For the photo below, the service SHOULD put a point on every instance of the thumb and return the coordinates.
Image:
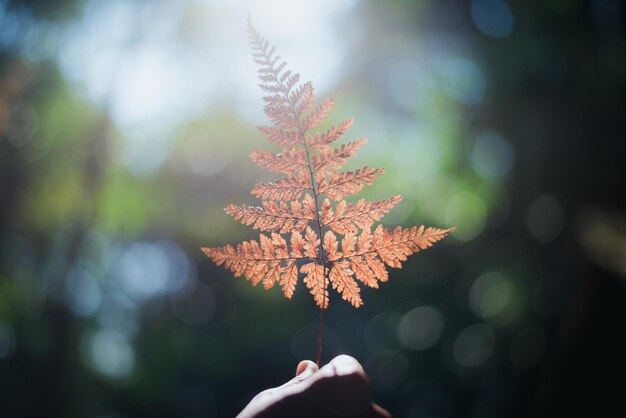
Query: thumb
(306, 368)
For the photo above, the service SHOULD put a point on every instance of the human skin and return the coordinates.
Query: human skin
(339, 389)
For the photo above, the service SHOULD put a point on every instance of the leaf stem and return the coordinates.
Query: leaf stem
(320, 335)
(317, 219)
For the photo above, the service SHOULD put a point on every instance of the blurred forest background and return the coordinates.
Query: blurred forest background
(125, 128)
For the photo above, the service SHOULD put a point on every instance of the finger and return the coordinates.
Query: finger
(306, 366)
(341, 388)
(380, 412)
(280, 397)
(345, 365)
(304, 371)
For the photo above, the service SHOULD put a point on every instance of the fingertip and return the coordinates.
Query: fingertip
(306, 366)
(344, 365)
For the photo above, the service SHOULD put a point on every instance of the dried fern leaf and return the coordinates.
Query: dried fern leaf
(348, 253)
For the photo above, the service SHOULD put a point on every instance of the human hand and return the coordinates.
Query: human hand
(339, 389)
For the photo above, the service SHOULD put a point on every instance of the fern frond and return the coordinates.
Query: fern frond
(317, 115)
(289, 83)
(269, 260)
(314, 279)
(270, 88)
(343, 184)
(341, 279)
(273, 216)
(302, 98)
(331, 245)
(365, 257)
(340, 274)
(311, 244)
(364, 273)
(348, 253)
(333, 158)
(287, 188)
(393, 247)
(281, 116)
(256, 260)
(348, 217)
(285, 162)
(334, 133)
(281, 137)
(289, 278)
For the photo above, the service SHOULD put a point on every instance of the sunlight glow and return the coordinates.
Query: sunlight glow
(153, 64)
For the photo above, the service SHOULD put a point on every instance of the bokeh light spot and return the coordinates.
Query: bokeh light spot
(142, 270)
(490, 294)
(410, 85)
(205, 157)
(387, 369)
(41, 41)
(119, 313)
(109, 353)
(420, 152)
(492, 17)
(420, 328)
(380, 331)
(474, 345)
(143, 154)
(467, 211)
(23, 125)
(14, 24)
(7, 340)
(463, 80)
(197, 307)
(82, 291)
(491, 156)
(546, 218)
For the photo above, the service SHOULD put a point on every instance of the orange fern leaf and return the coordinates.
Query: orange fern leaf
(280, 136)
(331, 245)
(287, 188)
(311, 244)
(348, 218)
(253, 260)
(302, 97)
(289, 278)
(273, 216)
(315, 280)
(320, 140)
(341, 279)
(333, 158)
(363, 272)
(331, 242)
(393, 247)
(285, 162)
(317, 115)
(341, 184)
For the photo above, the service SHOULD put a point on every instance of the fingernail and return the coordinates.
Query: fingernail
(306, 368)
